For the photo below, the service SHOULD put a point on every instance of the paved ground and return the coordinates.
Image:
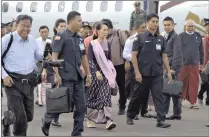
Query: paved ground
(192, 124)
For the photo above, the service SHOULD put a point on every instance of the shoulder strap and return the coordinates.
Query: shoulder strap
(6, 51)
(8, 47)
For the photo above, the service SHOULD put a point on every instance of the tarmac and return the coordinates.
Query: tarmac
(192, 124)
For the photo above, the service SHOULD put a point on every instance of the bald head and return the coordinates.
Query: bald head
(189, 22)
(190, 25)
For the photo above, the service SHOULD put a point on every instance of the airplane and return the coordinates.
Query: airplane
(181, 11)
(47, 12)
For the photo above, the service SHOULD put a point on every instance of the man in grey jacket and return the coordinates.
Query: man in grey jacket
(174, 52)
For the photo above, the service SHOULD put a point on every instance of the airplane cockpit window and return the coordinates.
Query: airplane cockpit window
(118, 6)
(47, 7)
(61, 6)
(5, 7)
(103, 6)
(89, 6)
(19, 7)
(33, 6)
(75, 6)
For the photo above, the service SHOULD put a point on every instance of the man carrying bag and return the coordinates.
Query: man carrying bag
(174, 51)
(19, 54)
(69, 46)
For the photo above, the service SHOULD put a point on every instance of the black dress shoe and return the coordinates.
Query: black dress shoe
(6, 130)
(130, 121)
(146, 115)
(162, 124)
(137, 117)
(40, 105)
(45, 127)
(7, 120)
(174, 117)
(121, 111)
(207, 125)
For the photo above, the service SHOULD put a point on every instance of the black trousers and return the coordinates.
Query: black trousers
(76, 89)
(141, 95)
(129, 89)
(120, 79)
(176, 104)
(204, 88)
(21, 102)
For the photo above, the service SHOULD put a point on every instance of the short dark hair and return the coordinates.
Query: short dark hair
(152, 15)
(71, 15)
(108, 22)
(138, 23)
(43, 27)
(57, 23)
(24, 17)
(168, 19)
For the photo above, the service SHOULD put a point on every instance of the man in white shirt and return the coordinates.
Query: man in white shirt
(41, 41)
(127, 54)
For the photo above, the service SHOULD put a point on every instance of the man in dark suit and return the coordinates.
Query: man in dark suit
(174, 52)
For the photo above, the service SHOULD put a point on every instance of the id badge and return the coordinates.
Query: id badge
(158, 47)
(81, 45)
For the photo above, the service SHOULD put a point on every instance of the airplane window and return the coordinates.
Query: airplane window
(89, 6)
(33, 6)
(61, 6)
(19, 7)
(75, 6)
(47, 7)
(5, 7)
(103, 6)
(118, 5)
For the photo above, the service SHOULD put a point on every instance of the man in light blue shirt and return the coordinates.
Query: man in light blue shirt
(17, 74)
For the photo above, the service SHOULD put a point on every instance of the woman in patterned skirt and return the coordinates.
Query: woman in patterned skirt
(103, 78)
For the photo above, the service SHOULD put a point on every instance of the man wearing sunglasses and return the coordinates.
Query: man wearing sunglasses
(137, 14)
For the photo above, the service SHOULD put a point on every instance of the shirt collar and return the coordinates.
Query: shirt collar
(149, 33)
(138, 12)
(20, 38)
(190, 33)
(71, 33)
(42, 39)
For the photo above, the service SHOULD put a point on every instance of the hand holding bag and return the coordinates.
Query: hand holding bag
(175, 88)
(115, 90)
(57, 100)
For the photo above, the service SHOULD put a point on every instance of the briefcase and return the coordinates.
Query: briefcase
(57, 100)
(204, 77)
(175, 88)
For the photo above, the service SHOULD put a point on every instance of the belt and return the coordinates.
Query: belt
(19, 77)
